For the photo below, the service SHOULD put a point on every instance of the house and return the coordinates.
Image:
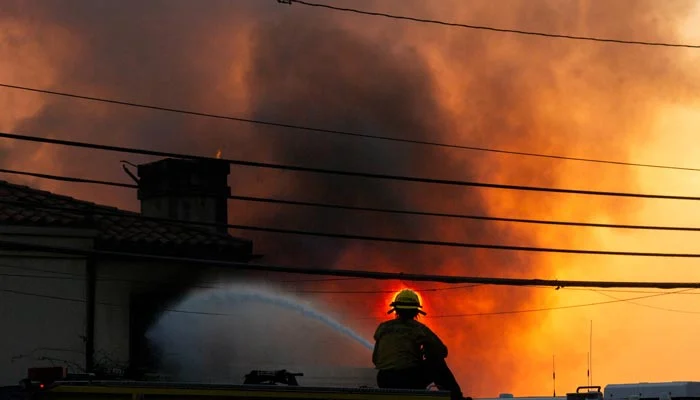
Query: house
(90, 312)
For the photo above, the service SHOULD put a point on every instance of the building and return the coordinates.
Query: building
(90, 312)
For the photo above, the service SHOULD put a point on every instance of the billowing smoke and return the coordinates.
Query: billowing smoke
(337, 71)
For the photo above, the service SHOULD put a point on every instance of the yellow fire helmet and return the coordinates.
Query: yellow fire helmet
(406, 299)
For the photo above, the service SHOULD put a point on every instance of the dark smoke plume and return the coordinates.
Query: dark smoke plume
(382, 77)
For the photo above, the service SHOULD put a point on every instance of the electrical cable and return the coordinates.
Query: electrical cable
(487, 28)
(75, 276)
(351, 208)
(435, 243)
(67, 178)
(463, 315)
(631, 301)
(505, 312)
(339, 132)
(212, 286)
(379, 275)
(72, 276)
(295, 168)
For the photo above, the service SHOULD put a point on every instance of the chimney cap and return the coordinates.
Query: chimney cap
(180, 165)
(182, 177)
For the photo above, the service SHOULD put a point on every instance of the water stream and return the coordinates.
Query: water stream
(242, 294)
(252, 326)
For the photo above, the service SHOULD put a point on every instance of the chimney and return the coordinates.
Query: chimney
(188, 190)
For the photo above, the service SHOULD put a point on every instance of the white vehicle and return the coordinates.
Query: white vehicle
(653, 391)
(682, 390)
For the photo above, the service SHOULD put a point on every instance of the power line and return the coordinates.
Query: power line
(45, 296)
(554, 308)
(73, 276)
(487, 28)
(615, 299)
(212, 286)
(60, 273)
(451, 279)
(504, 312)
(625, 291)
(82, 276)
(461, 216)
(384, 239)
(67, 178)
(296, 168)
(346, 207)
(440, 289)
(343, 133)
(631, 301)
(102, 303)
(438, 243)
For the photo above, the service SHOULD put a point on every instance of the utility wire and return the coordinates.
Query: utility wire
(351, 292)
(222, 284)
(631, 301)
(82, 276)
(601, 292)
(102, 303)
(461, 216)
(625, 291)
(67, 178)
(438, 243)
(504, 312)
(451, 279)
(384, 239)
(295, 168)
(74, 276)
(344, 207)
(487, 28)
(342, 133)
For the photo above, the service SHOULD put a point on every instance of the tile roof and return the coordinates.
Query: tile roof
(117, 229)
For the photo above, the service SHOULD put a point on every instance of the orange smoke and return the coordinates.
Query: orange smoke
(415, 81)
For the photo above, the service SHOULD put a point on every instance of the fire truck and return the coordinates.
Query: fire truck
(55, 384)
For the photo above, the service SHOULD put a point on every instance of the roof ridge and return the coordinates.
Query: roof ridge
(61, 196)
(111, 211)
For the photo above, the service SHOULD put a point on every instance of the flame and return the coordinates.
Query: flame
(218, 154)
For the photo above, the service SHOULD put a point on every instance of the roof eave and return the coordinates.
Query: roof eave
(238, 252)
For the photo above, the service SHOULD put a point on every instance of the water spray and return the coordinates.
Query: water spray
(238, 293)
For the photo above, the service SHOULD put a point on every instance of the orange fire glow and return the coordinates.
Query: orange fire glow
(551, 96)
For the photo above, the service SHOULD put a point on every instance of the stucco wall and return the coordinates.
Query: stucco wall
(158, 284)
(116, 282)
(42, 303)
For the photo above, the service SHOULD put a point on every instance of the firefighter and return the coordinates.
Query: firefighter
(407, 353)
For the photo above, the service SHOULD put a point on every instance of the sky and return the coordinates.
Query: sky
(337, 70)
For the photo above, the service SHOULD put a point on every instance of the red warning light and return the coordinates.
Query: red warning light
(46, 375)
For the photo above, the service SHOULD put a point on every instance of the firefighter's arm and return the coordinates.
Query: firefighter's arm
(377, 335)
(433, 347)
(374, 354)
